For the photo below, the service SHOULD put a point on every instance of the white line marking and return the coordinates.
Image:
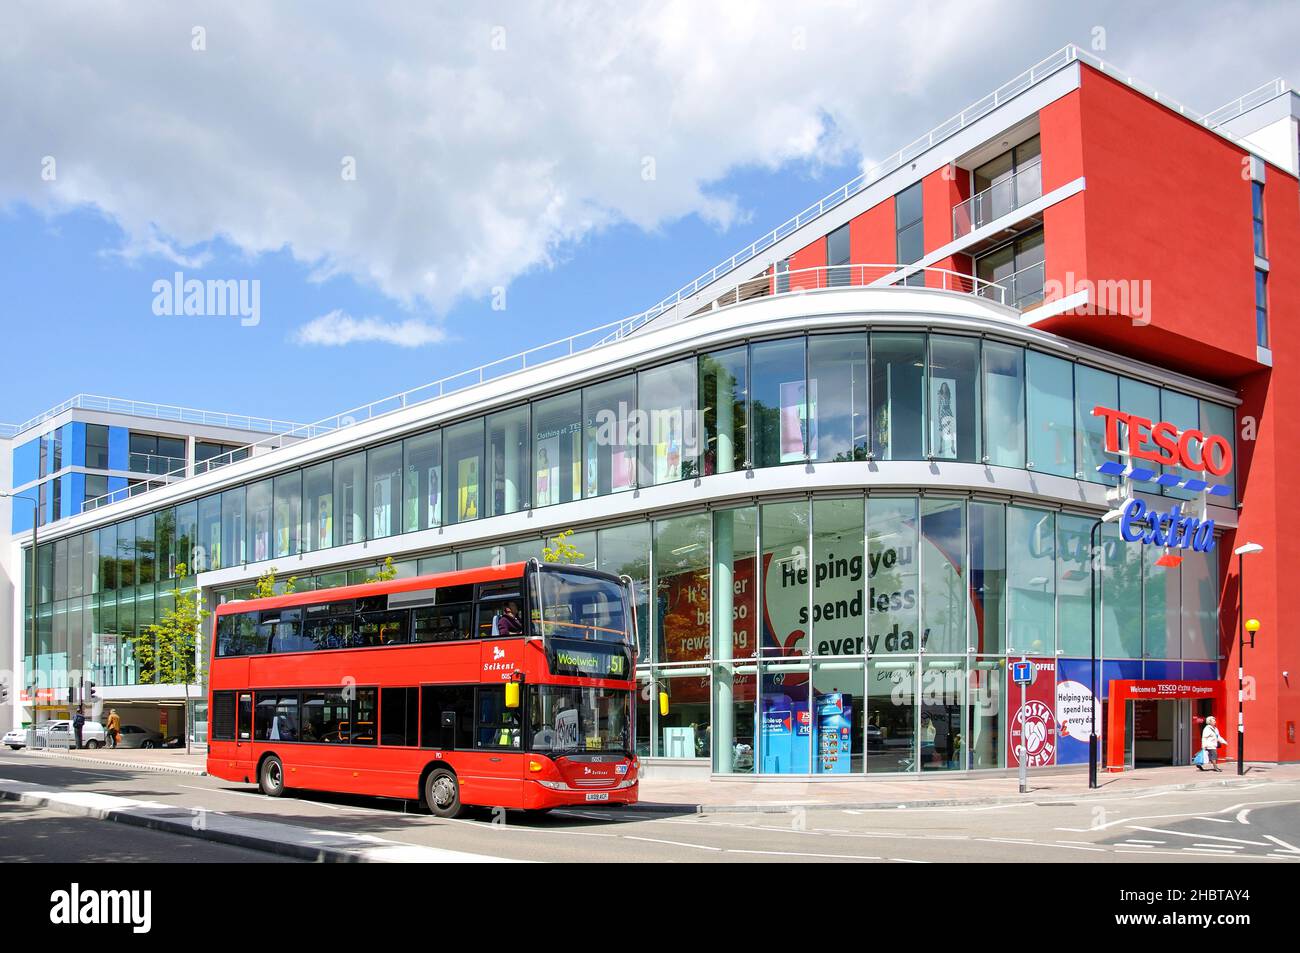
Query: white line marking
(672, 843)
(1235, 840)
(793, 853)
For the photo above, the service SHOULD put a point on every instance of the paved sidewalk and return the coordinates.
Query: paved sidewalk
(749, 794)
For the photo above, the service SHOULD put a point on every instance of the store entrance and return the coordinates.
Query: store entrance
(1164, 732)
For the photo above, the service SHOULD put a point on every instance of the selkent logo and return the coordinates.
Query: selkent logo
(1164, 444)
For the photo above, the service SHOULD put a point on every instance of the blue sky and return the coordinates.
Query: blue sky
(504, 147)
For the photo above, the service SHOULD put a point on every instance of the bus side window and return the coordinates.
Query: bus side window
(447, 717)
(498, 726)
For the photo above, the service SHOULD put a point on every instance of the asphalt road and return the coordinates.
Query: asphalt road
(1256, 822)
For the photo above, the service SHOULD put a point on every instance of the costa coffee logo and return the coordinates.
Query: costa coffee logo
(1162, 443)
(1033, 734)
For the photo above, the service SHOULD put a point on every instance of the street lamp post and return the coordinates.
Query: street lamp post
(1094, 569)
(1242, 552)
(36, 520)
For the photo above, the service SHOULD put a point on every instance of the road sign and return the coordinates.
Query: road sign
(1022, 672)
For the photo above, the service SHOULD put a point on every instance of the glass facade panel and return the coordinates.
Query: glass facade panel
(985, 682)
(897, 396)
(953, 401)
(669, 444)
(838, 398)
(891, 716)
(463, 453)
(988, 577)
(785, 578)
(557, 449)
(838, 717)
(318, 507)
(349, 499)
(187, 534)
(735, 609)
(1031, 581)
(1218, 419)
(233, 527)
(943, 576)
(838, 617)
(1074, 584)
(943, 710)
(785, 721)
(778, 402)
(1121, 596)
(611, 436)
(287, 515)
(893, 576)
(684, 731)
(1161, 594)
(723, 377)
(384, 489)
(1200, 605)
(508, 442)
(681, 587)
(734, 688)
(1184, 413)
(1093, 388)
(260, 502)
(422, 492)
(625, 551)
(1050, 414)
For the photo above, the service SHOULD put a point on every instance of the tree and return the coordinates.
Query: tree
(561, 550)
(384, 573)
(167, 650)
(264, 588)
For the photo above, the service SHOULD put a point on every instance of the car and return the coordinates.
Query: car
(17, 738)
(133, 736)
(93, 734)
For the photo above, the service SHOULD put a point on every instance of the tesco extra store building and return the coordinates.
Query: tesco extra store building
(846, 509)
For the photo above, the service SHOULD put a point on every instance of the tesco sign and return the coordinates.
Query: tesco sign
(1163, 443)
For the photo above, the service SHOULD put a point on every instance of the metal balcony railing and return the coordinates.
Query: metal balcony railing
(1001, 198)
(807, 280)
(155, 464)
(1022, 289)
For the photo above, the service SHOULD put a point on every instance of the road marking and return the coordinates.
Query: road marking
(1241, 816)
(671, 843)
(1290, 848)
(793, 853)
(1235, 840)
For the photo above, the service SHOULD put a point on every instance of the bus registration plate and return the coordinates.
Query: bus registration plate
(598, 796)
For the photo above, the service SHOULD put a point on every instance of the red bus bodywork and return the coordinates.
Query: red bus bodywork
(494, 777)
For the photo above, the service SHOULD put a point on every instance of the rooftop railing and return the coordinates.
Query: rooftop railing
(832, 277)
(152, 411)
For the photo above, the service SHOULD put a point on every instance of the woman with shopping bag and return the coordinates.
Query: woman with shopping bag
(1210, 742)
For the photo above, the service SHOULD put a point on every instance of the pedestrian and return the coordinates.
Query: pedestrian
(114, 728)
(78, 723)
(1210, 742)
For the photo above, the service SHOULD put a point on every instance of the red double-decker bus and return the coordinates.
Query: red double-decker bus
(508, 687)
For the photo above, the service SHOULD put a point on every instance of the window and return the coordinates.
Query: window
(1092, 388)
(223, 716)
(498, 726)
(448, 620)
(891, 715)
(839, 569)
(1257, 217)
(909, 229)
(318, 507)
(897, 396)
(1031, 581)
(785, 540)
(275, 717)
(1217, 419)
(447, 717)
(837, 254)
(1261, 307)
(669, 438)
(422, 495)
(287, 518)
(259, 502)
(350, 499)
(681, 552)
(283, 631)
(1050, 413)
(557, 449)
(610, 435)
(96, 447)
(1016, 267)
(507, 447)
(1007, 182)
(399, 716)
(943, 569)
(722, 409)
(988, 577)
(463, 447)
(325, 717)
(376, 628)
(953, 401)
(364, 725)
(500, 612)
(1004, 404)
(232, 527)
(1074, 582)
(779, 402)
(384, 465)
(837, 397)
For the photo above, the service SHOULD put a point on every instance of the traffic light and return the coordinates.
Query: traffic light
(90, 692)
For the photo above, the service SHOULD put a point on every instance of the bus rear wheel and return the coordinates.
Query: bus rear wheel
(271, 777)
(442, 793)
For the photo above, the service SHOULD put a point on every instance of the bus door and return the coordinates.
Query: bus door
(244, 727)
(498, 748)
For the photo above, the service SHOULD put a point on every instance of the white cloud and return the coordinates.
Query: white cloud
(338, 328)
(476, 163)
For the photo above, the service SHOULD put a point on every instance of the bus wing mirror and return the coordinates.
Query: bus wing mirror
(663, 703)
(512, 694)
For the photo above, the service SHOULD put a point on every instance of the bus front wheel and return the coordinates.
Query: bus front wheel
(442, 793)
(271, 778)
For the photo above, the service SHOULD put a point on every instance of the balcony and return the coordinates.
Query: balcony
(1021, 290)
(998, 200)
(156, 464)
